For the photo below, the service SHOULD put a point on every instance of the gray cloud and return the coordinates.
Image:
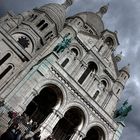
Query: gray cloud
(123, 16)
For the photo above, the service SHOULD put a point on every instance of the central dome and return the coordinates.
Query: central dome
(93, 20)
(56, 12)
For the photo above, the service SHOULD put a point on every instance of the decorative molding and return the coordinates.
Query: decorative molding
(82, 98)
(110, 76)
(80, 42)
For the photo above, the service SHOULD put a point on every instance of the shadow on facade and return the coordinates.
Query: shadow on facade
(42, 105)
(95, 133)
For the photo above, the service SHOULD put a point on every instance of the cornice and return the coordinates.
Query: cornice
(83, 99)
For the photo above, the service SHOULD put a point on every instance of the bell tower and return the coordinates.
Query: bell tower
(72, 83)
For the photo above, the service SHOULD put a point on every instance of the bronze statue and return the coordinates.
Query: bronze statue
(122, 113)
(64, 44)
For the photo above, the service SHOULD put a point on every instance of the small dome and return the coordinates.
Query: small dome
(57, 12)
(126, 69)
(118, 57)
(93, 20)
(103, 10)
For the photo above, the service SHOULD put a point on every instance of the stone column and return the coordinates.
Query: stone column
(119, 131)
(28, 98)
(50, 122)
(78, 135)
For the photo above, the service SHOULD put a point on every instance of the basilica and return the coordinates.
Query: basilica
(62, 72)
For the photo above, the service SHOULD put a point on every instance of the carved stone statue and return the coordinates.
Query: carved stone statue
(64, 44)
(122, 113)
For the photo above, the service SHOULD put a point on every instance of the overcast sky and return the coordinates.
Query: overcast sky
(123, 16)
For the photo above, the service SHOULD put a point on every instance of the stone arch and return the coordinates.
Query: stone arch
(33, 17)
(83, 109)
(79, 49)
(9, 68)
(44, 26)
(109, 41)
(107, 81)
(96, 94)
(65, 62)
(78, 21)
(75, 51)
(42, 105)
(92, 67)
(112, 37)
(48, 98)
(67, 125)
(40, 23)
(96, 62)
(28, 34)
(102, 130)
(6, 58)
(45, 82)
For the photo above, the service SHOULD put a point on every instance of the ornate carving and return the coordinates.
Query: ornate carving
(71, 98)
(87, 103)
(24, 42)
(111, 77)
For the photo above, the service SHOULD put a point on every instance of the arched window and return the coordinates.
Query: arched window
(109, 41)
(78, 23)
(118, 91)
(95, 133)
(43, 104)
(74, 51)
(5, 71)
(65, 62)
(48, 34)
(122, 74)
(91, 31)
(100, 48)
(92, 67)
(125, 77)
(5, 58)
(44, 26)
(103, 84)
(96, 94)
(33, 17)
(65, 128)
(40, 23)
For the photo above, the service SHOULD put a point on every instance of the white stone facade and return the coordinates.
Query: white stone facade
(84, 77)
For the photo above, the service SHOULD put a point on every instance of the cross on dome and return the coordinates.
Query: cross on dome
(103, 10)
(67, 3)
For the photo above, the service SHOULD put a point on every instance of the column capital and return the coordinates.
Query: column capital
(81, 134)
(58, 113)
(34, 92)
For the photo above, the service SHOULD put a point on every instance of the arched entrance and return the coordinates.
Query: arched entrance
(66, 127)
(95, 133)
(41, 106)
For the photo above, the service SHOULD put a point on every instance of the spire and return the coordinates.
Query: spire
(126, 69)
(67, 3)
(103, 10)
